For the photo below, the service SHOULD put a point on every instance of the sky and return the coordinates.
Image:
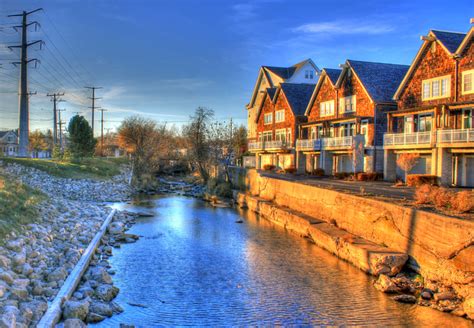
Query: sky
(162, 59)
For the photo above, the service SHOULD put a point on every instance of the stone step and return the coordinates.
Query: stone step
(370, 257)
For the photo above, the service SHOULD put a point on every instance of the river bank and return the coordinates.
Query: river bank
(36, 258)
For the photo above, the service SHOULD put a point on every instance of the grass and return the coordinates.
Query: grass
(17, 204)
(87, 168)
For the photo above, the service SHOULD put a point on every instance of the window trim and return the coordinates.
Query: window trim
(279, 132)
(342, 104)
(440, 80)
(276, 116)
(331, 102)
(267, 115)
(471, 72)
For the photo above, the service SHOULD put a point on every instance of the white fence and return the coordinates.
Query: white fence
(338, 142)
(453, 136)
(308, 144)
(415, 138)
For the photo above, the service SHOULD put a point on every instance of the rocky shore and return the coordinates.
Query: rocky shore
(36, 260)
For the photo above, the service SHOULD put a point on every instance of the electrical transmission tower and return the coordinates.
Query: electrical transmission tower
(55, 99)
(24, 129)
(102, 110)
(60, 122)
(93, 98)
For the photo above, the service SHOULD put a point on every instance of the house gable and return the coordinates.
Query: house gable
(325, 91)
(349, 84)
(300, 74)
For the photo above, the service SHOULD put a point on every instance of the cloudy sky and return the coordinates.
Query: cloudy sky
(162, 59)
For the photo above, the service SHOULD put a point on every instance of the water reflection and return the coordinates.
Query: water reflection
(195, 265)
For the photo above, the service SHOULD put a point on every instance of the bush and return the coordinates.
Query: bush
(269, 167)
(463, 202)
(224, 189)
(370, 176)
(290, 169)
(342, 175)
(423, 193)
(319, 172)
(415, 180)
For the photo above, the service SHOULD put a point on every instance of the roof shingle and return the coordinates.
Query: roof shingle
(451, 40)
(298, 96)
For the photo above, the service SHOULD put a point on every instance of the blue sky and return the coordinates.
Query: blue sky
(162, 59)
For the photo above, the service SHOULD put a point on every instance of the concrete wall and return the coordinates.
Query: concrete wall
(441, 248)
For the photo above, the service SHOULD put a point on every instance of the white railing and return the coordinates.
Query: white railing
(308, 144)
(276, 144)
(455, 135)
(415, 138)
(255, 145)
(338, 142)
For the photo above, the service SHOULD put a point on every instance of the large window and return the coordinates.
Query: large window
(424, 123)
(436, 88)
(347, 104)
(267, 136)
(279, 116)
(346, 129)
(268, 118)
(467, 82)
(280, 135)
(408, 124)
(467, 119)
(327, 108)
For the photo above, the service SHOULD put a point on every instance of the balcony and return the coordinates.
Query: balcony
(308, 144)
(455, 136)
(338, 142)
(423, 139)
(267, 145)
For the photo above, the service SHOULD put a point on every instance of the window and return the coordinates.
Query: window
(280, 135)
(268, 118)
(436, 88)
(467, 82)
(467, 119)
(309, 74)
(267, 136)
(408, 124)
(424, 123)
(347, 104)
(326, 108)
(280, 116)
(347, 129)
(313, 133)
(320, 132)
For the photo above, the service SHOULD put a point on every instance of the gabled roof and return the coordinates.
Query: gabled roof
(271, 92)
(450, 40)
(464, 43)
(4, 133)
(380, 80)
(333, 75)
(283, 72)
(298, 96)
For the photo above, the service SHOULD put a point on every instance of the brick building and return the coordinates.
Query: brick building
(347, 118)
(435, 111)
(277, 118)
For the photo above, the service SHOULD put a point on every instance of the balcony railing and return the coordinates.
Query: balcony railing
(454, 136)
(335, 142)
(267, 145)
(405, 139)
(308, 144)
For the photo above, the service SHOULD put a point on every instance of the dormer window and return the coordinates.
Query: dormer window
(309, 74)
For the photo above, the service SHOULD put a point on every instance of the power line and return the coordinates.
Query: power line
(93, 107)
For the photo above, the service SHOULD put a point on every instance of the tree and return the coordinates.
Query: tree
(407, 162)
(197, 137)
(81, 140)
(37, 141)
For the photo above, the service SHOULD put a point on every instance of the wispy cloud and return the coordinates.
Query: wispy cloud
(244, 11)
(340, 27)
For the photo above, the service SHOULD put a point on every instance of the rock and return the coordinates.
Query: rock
(468, 307)
(101, 308)
(7, 277)
(443, 296)
(19, 293)
(38, 308)
(99, 274)
(15, 245)
(3, 290)
(123, 325)
(116, 308)
(385, 284)
(115, 228)
(94, 318)
(27, 269)
(426, 295)
(57, 275)
(5, 262)
(404, 298)
(74, 323)
(76, 310)
(106, 292)
(19, 259)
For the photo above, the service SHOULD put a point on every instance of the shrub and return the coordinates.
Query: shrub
(370, 176)
(319, 172)
(463, 201)
(224, 189)
(269, 167)
(290, 169)
(422, 194)
(342, 175)
(407, 162)
(441, 197)
(415, 180)
(212, 184)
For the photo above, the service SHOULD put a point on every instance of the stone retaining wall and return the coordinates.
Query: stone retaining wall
(441, 248)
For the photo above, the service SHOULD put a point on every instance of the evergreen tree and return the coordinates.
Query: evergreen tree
(81, 140)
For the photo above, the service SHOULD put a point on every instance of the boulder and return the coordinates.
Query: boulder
(59, 274)
(385, 284)
(74, 323)
(15, 245)
(468, 307)
(99, 274)
(404, 298)
(106, 292)
(7, 277)
(444, 296)
(19, 293)
(5, 262)
(76, 310)
(101, 308)
(115, 228)
(94, 318)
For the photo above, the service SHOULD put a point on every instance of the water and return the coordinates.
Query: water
(195, 266)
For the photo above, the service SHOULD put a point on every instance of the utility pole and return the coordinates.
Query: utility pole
(102, 130)
(60, 122)
(24, 128)
(55, 99)
(93, 98)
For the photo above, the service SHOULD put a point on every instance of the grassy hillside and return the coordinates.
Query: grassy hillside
(17, 204)
(93, 168)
